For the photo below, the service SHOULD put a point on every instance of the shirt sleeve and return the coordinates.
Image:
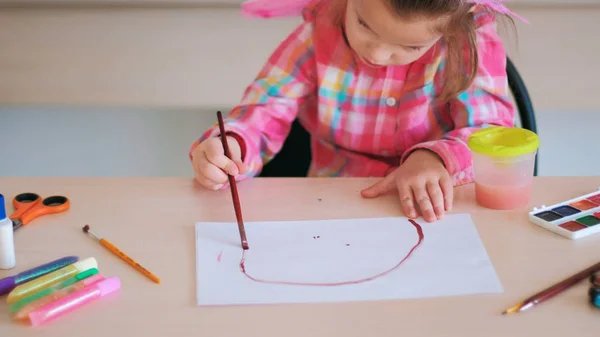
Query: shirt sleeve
(262, 121)
(486, 102)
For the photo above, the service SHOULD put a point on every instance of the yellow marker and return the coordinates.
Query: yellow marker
(50, 279)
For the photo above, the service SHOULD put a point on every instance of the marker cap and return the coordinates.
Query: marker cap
(81, 276)
(6, 285)
(86, 264)
(2, 207)
(85, 274)
(93, 279)
(109, 285)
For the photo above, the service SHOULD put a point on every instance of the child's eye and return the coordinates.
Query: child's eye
(362, 23)
(415, 48)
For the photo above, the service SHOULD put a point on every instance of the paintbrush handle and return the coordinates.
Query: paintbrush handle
(112, 248)
(561, 286)
(232, 184)
(238, 211)
(236, 204)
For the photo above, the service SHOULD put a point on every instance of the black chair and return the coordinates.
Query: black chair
(522, 101)
(295, 156)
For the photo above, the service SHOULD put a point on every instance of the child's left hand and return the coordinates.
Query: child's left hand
(423, 181)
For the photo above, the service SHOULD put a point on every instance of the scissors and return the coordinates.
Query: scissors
(29, 206)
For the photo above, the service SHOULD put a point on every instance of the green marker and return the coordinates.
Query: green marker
(47, 291)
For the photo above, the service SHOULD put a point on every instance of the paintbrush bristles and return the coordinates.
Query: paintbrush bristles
(513, 309)
(87, 230)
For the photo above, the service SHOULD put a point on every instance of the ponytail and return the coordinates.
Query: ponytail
(462, 57)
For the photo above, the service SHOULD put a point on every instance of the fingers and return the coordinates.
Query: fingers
(216, 156)
(207, 183)
(448, 191)
(212, 172)
(431, 197)
(243, 168)
(436, 197)
(407, 200)
(422, 199)
(381, 187)
(211, 166)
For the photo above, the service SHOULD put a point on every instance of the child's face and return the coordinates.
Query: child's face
(381, 38)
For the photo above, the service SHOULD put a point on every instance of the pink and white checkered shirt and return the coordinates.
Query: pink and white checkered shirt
(365, 121)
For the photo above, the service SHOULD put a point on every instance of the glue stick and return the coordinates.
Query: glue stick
(7, 243)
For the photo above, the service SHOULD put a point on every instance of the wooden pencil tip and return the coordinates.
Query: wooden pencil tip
(245, 245)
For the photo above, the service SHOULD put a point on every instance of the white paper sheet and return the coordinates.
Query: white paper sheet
(450, 261)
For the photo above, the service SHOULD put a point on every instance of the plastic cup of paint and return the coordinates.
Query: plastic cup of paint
(503, 165)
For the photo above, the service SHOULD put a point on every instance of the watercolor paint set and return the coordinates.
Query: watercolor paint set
(573, 219)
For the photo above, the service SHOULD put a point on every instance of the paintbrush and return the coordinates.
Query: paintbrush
(232, 185)
(554, 290)
(113, 249)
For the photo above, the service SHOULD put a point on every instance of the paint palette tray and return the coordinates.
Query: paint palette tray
(573, 219)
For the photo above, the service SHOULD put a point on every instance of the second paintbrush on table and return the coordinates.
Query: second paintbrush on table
(119, 253)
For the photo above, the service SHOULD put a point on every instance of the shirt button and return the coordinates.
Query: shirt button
(391, 101)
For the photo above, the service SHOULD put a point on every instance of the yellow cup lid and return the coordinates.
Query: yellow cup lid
(499, 141)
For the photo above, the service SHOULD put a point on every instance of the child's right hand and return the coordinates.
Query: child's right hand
(211, 164)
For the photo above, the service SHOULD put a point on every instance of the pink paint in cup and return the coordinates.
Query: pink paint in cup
(503, 164)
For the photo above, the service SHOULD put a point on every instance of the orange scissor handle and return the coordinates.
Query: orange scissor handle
(50, 205)
(23, 203)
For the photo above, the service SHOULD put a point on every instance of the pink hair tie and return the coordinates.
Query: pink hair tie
(498, 6)
(280, 8)
(272, 8)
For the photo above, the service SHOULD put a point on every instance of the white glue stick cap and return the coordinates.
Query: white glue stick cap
(7, 242)
(109, 285)
(86, 264)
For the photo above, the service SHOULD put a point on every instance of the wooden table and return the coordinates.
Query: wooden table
(152, 219)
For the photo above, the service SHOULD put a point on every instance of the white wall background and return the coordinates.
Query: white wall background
(60, 141)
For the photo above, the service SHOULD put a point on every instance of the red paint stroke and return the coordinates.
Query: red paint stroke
(419, 241)
(219, 256)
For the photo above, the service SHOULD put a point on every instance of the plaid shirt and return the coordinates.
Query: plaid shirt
(365, 121)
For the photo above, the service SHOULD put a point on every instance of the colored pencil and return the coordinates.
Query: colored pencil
(554, 290)
(233, 186)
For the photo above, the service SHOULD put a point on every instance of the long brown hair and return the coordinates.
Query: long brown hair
(457, 27)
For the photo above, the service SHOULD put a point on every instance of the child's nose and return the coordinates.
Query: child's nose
(380, 55)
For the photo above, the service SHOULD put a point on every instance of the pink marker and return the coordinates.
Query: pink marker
(23, 313)
(73, 301)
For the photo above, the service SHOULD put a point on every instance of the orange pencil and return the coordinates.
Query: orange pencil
(120, 254)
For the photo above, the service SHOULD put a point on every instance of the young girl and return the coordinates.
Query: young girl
(386, 88)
